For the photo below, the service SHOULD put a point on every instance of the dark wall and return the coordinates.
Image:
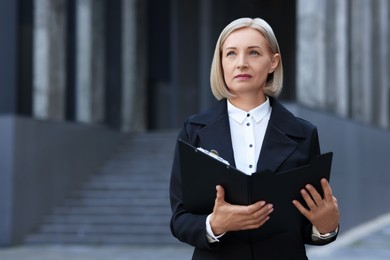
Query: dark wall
(8, 56)
(281, 16)
(40, 162)
(113, 63)
(181, 34)
(173, 61)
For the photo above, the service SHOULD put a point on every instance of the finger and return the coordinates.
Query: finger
(328, 194)
(255, 206)
(220, 194)
(257, 217)
(255, 224)
(251, 211)
(264, 211)
(301, 208)
(308, 199)
(314, 194)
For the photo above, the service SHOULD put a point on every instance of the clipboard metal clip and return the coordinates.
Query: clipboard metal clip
(213, 154)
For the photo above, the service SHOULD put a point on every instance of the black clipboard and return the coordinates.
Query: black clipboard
(200, 174)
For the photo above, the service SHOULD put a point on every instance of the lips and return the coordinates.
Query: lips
(243, 76)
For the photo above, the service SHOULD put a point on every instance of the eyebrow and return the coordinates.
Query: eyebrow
(249, 47)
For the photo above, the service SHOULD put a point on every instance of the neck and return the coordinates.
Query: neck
(248, 103)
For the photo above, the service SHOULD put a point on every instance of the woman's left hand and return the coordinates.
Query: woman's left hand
(323, 213)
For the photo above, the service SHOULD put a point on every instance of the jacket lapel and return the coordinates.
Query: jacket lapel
(221, 142)
(278, 144)
(215, 134)
(275, 150)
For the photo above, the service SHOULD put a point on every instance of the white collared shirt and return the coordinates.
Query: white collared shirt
(247, 132)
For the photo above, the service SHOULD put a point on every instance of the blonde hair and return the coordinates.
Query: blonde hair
(274, 82)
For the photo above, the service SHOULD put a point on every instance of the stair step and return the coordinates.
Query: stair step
(104, 229)
(120, 194)
(125, 185)
(141, 239)
(104, 219)
(117, 202)
(125, 202)
(109, 210)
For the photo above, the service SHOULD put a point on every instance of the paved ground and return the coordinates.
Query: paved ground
(370, 241)
(96, 253)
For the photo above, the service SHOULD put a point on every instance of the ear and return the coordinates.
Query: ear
(274, 62)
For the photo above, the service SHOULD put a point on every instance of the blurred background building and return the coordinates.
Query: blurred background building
(79, 78)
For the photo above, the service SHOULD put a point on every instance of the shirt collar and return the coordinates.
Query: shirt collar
(258, 113)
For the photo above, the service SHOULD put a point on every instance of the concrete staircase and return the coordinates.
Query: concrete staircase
(126, 202)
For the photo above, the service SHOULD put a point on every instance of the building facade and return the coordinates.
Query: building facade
(129, 64)
(80, 73)
(343, 58)
(137, 65)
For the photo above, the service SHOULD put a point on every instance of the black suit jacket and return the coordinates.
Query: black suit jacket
(289, 142)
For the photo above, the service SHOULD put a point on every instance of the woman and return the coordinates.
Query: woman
(254, 132)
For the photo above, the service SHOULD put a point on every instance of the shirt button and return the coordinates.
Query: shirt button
(248, 124)
(248, 115)
(251, 145)
(250, 166)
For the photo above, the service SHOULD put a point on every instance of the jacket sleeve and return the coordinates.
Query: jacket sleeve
(185, 226)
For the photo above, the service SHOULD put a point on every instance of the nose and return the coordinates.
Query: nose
(242, 64)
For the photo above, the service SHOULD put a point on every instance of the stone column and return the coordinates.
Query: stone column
(336, 41)
(133, 65)
(185, 53)
(98, 61)
(83, 60)
(311, 89)
(173, 103)
(90, 61)
(383, 21)
(322, 55)
(361, 67)
(206, 52)
(343, 58)
(49, 79)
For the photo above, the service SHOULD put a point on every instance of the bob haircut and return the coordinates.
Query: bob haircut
(274, 82)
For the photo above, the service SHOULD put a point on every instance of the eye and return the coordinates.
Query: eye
(254, 53)
(230, 53)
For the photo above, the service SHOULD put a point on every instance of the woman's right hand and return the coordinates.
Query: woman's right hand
(227, 217)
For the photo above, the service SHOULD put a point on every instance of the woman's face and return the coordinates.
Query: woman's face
(246, 62)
